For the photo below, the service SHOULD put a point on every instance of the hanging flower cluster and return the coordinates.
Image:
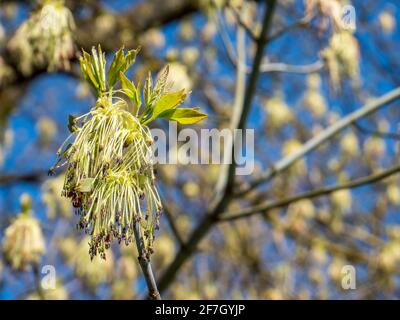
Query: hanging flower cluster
(110, 178)
(342, 58)
(23, 242)
(45, 40)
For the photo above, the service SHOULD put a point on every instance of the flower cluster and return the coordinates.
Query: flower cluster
(342, 58)
(110, 177)
(23, 242)
(45, 40)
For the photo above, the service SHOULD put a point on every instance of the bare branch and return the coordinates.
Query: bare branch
(243, 24)
(171, 222)
(27, 177)
(290, 68)
(303, 22)
(321, 138)
(138, 19)
(266, 206)
(225, 184)
(377, 133)
(145, 265)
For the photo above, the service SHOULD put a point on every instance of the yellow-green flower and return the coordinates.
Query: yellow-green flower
(45, 40)
(23, 243)
(110, 178)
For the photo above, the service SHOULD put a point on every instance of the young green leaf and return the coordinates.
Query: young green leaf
(148, 85)
(130, 58)
(87, 70)
(120, 63)
(161, 81)
(168, 101)
(127, 86)
(183, 115)
(102, 69)
(138, 98)
(97, 66)
(115, 68)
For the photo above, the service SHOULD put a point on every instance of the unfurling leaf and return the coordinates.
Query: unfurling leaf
(183, 115)
(161, 82)
(127, 86)
(120, 63)
(130, 58)
(87, 70)
(115, 67)
(169, 101)
(148, 85)
(94, 69)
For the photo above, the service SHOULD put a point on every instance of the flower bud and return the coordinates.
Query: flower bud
(374, 147)
(349, 145)
(278, 113)
(47, 131)
(387, 21)
(187, 31)
(315, 102)
(288, 148)
(25, 201)
(393, 194)
(342, 200)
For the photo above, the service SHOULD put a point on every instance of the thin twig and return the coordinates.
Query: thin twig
(377, 133)
(303, 22)
(319, 139)
(222, 195)
(292, 68)
(266, 67)
(145, 265)
(266, 206)
(35, 177)
(243, 24)
(172, 225)
(38, 284)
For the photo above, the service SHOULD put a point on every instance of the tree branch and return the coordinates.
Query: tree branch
(38, 285)
(34, 177)
(171, 222)
(290, 68)
(225, 183)
(377, 133)
(319, 139)
(303, 22)
(145, 265)
(268, 205)
(139, 19)
(242, 23)
(268, 66)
